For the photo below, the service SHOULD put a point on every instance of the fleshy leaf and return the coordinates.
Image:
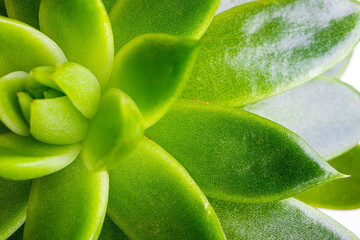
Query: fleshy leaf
(26, 11)
(153, 197)
(57, 121)
(111, 232)
(109, 4)
(24, 102)
(287, 219)
(3, 128)
(338, 70)
(23, 48)
(14, 197)
(228, 4)
(18, 235)
(343, 194)
(25, 158)
(324, 112)
(238, 156)
(186, 19)
(263, 48)
(153, 69)
(114, 133)
(70, 204)
(2, 8)
(83, 31)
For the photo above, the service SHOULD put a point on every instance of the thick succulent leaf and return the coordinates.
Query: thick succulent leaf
(263, 48)
(153, 197)
(2, 8)
(338, 70)
(23, 48)
(14, 197)
(110, 231)
(153, 69)
(238, 156)
(18, 235)
(287, 219)
(26, 11)
(70, 204)
(114, 133)
(25, 102)
(26, 158)
(109, 4)
(3, 128)
(186, 19)
(57, 121)
(10, 111)
(228, 4)
(83, 31)
(343, 194)
(324, 112)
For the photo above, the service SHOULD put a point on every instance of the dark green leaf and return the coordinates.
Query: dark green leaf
(26, 11)
(111, 232)
(2, 8)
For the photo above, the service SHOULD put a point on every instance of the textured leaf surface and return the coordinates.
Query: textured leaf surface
(342, 194)
(186, 19)
(26, 11)
(263, 48)
(153, 197)
(82, 30)
(237, 155)
(287, 219)
(111, 232)
(324, 112)
(13, 203)
(26, 158)
(70, 204)
(153, 69)
(338, 70)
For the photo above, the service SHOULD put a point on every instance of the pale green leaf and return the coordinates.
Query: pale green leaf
(24, 102)
(338, 70)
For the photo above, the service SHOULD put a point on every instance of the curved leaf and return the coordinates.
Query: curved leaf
(111, 232)
(239, 156)
(153, 69)
(109, 4)
(83, 31)
(23, 48)
(70, 204)
(153, 197)
(26, 11)
(3, 128)
(186, 19)
(13, 203)
(25, 102)
(287, 219)
(18, 235)
(228, 4)
(324, 112)
(343, 194)
(114, 133)
(338, 70)
(263, 48)
(26, 158)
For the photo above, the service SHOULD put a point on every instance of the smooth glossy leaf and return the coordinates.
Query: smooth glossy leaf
(13, 203)
(24, 102)
(111, 232)
(263, 48)
(343, 194)
(83, 31)
(338, 70)
(324, 112)
(186, 19)
(153, 69)
(114, 133)
(26, 11)
(238, 156)
(153, 197)
(287, 219)
(57, 121)
(70, 204)
(23, 48)
(26, 158)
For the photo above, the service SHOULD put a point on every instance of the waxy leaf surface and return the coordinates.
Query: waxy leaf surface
(239, 156)
(263, 48)
(69, 204)
(153, 197)
(26, 158)
(228, 4)
(287, 219)
(324, 112)
(338, 70)
(26, 11)
(110, 231)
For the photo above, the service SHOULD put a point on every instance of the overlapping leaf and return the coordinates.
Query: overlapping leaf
(338, 70)
(111, 232)
(24, 11)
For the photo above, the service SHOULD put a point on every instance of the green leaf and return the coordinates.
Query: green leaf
(228, 4)
(342, 194)
(114, 133)
(238, 156)
(3, 128)
(338, 70)
(111, 232)
(153, 197)
(186, 19)
(109, 4)
(83, 31)
(2, 8)
(153, 69)
(13, 204)
(263, 48)
(70, 204)
(324, 112)
(25, 102)
(57, 121)
(26, 11)
(25, 158)
(24, 48)
(52, 93)
(18, 235)
(287, 219)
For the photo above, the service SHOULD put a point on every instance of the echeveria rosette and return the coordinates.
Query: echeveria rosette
(68, 105)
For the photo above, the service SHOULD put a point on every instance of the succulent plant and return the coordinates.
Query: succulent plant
(153, 119)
